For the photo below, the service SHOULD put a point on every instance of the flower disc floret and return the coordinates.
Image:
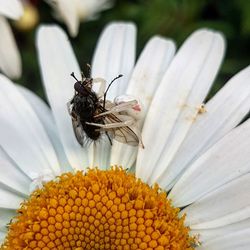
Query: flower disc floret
(98, 210)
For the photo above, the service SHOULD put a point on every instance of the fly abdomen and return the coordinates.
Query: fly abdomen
(92, 132)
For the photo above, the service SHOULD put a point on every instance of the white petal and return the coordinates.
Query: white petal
(226, 160)
(237, 240)
(210, 234)
(57, 61)
(228, 204)
(2, 236)
(68, 13)
(22, 135)
(45, 116)
(10, 60)
(222, 113)
(152, 64)
(11, 9)
(101, 153)
(11, 176)
(150, 68)
(114, 55)
(176, 102)
(5, 216)
(9, 199)
(89, 9)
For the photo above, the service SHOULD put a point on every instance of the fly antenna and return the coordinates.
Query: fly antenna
(105, 94)
(73, 75)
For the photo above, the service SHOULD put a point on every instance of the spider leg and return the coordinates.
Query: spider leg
(126, 123)
(118, 108)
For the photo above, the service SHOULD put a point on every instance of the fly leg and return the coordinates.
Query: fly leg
(109, 138)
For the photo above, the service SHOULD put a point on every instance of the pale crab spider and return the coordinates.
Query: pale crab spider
(93, 114)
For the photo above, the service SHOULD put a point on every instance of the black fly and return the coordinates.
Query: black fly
(93, 115)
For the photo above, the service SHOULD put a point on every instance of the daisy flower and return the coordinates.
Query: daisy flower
(192, 184)
(74, 11)
(10, 61)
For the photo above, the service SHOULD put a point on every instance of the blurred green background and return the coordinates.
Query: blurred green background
(170, 18)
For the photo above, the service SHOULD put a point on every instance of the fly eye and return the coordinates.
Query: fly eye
(77, 86)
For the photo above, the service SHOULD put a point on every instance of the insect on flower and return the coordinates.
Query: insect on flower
(92, 115)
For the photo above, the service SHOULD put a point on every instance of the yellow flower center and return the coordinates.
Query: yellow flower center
(98, 210)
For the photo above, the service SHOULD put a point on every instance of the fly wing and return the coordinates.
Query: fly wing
(124, 134)
(78, 130)
(77, 126)
(69, 106)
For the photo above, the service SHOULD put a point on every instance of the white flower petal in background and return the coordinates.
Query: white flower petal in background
(98, 153)
(222, 113)
(209, 234)
(67, 12)
(90, 9)
(9, 199)
(74, 11)
(110, 60)
(228, 158)
(150, 67)
(11, 8)
(239, 240)
(2, 235)
(10, 60)
(28, 130)
(227, 205)
(57, 61)
(115, 55)
(177, 101)
(14, 178)
(5, 217)
(148, 72)
(45, 115)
